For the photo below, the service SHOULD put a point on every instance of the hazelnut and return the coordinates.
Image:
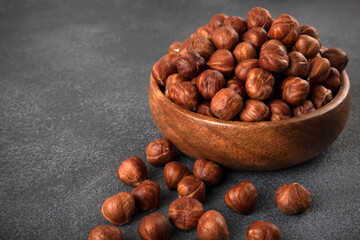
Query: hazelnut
(173, 78)
(294, 90)
(309, 30)
(191, 186)
(190, 64)
(204, 109)
(244, 67)
(175, 47)
(242, 198)
(225, 37)
(184, 213)
(216, 21)
(204, 31)
(307, 45)
(223, 61)
(292, 198)
(105, 232)
(320, 96)
(285, 28)
(256, 36)
(237, 85)
(154, 227)
(305, 108)
(259, 84)
(279, 110)
(200, 44)
(273, 56)
(132, 171)
(337, 57)
(173, 173)
(160, 152)
(209, 82)
(254, 111)
(333, 81)
(212, 226)
(185, 94)
(322, 49)
(298, 65)
(171, 58)
(118, 208)
(259, 17)
(226, 104)
(319, 70)
(244, 51)
(237, 23)
(147, 195)
(207, 171)
(161, 70)
(261, 230)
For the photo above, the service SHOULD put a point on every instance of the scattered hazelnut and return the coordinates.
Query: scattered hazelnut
(294, 90)
(333, 81)
(161, 70)
(237, 23)
(173, 78)
(279, 110)
(298, 65)
(160, 152)
(242, 198)
(204, 31)
(285, 28)
(185, 94)
(200, 44)
(309, 30)
(261, 230)
(147, 195)
(118, 208)
(225, 37)
(212, 226)
(256, 36)
(307, 45)
(216, 21)
(132, 171)
(207, 171)
(191, 186)
(259, 17)
(154, 227)
(173, 173)
(184, 213)
(190, 64)
(259, 84)
(223, 61)
(105, 232)
(204, 109)
(209, 82)
(237, 85)
(244, 51)
(175, 47)
(226, 104)
(305, 108)
(292, 198)
(244, 67)
(319, 70)
(254, 111)
(337, 57)
(320, 96)
(171, 58)
(273, 56)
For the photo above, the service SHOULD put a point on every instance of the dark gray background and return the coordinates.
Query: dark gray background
(73, 100)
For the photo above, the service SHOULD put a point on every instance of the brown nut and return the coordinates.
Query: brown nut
(226, 104)
(294, 90)
(132, 171)
(307, 45)
(190, 64)
(261, 230)
(337, 57)
(207, 171)
(259, 84)
(204, 31)
(147, 195)
(216, 21)
(244, 67)
(161, 70)
(105, 232)
(209, 82)
(259, 17)
(185, 94)
(154, 227)
(320, 96)
(223, 61)
(292, 198)
(309, 30)
(204, 109)
(184, 213)
(160, 152)
(237, 23)
(173, 173)
(212, 226)
(273, 56)
(319, 70)
(118, 208)
(225, 38)
(237, 85)
(256, 36)
(298, 65)
(285, 28)
(244, 51)
(200, 44)
(171, 58)
(175, 47)
(242, 198)
(279, 110)
(305, 108)
(173, 78)
(333, 81)
(191, 186)
(254, 111)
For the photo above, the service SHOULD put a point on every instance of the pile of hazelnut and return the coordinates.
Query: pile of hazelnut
(251, 70)
(187, 212)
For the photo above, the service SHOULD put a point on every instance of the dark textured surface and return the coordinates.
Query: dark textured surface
(73, 100)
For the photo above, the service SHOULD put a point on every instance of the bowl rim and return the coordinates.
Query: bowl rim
(337, 100)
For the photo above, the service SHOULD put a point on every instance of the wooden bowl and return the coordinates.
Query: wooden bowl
(259, 146)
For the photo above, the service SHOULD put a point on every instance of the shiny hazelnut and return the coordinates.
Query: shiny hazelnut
(209, 82)
(279, 110)
(160, 152)
(237, 85)
(118, 208)
(190, 64)
(154, 227)
(242, 198)
(171, 58)
(285, 28)
(244, 51)
(307, 45)
(256, 36)
(244, 67)
(216, 21)
(237, 23)
(174, 47)
(161, 70)
(254, 111)
(204, 109)
(319, 70)
(298, 65)
(212, 226)
(132, 171)
(333, 81)
(273, 56)
(261, 230)
(147, 195)
(309, 30)
(184, 213)
(173, 78)
(337, 57)
(105, 232)
(305, 108)
(207, 171)
(225, 38)
(320, 96)
(223, 61)
(200, 44)
(204, 31)
(191, 186)
(185, 94)
(292, 198)
(173, 173)
(259, 17)
(259, 84)
(294, 90)
(226, 104)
